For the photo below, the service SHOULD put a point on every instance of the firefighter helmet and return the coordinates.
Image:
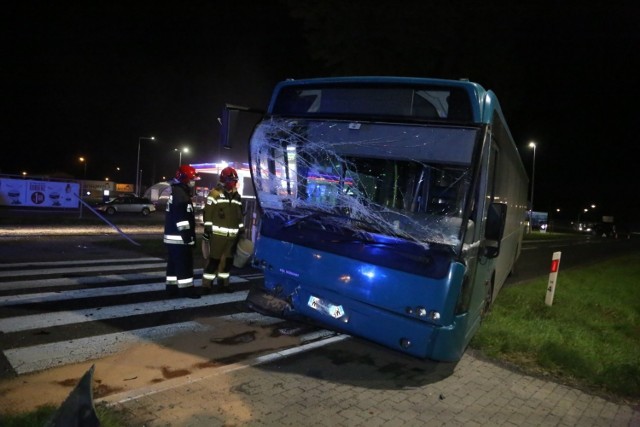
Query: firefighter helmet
(229, 177)
(186, 173)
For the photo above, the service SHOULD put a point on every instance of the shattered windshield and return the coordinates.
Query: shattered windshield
(407, 181)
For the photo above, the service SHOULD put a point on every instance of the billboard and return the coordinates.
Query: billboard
(34, 193)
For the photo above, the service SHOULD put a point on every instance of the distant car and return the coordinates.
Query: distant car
(127, 204)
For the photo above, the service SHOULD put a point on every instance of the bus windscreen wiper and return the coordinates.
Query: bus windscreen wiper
(296, 220)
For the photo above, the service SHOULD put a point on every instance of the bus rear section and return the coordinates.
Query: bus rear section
(375, 210)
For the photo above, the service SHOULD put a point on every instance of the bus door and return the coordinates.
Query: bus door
(480, 277)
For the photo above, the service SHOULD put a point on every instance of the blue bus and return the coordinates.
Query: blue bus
(391, 208)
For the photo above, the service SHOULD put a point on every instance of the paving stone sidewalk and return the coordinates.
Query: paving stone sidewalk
(345, 384)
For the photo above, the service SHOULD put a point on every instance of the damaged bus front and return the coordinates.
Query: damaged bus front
(392, 209)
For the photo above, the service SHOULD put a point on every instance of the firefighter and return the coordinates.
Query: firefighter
(180, 234)
(223, 227)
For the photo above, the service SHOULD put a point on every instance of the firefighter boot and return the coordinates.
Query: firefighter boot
(224, 286)
(207, 284)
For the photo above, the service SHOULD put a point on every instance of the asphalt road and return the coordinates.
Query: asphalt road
(576, 250)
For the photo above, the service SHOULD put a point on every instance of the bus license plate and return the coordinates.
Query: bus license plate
(335, 311)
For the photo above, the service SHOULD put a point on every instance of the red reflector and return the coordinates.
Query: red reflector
(554, 265)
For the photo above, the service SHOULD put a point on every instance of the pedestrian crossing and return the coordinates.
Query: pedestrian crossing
(49, 310)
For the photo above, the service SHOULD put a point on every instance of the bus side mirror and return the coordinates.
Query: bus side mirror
(229, 122)
(494, 229)
(228, 125)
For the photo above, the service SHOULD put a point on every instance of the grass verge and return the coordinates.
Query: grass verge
(590, 337)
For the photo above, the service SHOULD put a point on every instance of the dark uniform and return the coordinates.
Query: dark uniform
(223, 225)
(180, 239)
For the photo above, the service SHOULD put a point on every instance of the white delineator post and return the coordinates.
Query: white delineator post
(553, 275)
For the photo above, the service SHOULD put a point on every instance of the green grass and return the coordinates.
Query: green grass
(589, 337)
(108, 417)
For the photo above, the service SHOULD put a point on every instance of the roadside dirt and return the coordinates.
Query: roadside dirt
(145, 365)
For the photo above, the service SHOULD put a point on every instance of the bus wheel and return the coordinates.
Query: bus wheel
(488, 297)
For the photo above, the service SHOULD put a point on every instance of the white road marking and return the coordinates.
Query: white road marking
(90, 293)
(47, 320)
(74, 281)
(38, 357)
(78, 262)
(119, 267)
(130, 395)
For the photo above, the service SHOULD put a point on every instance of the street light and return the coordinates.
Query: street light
(138, 163)
(533, 178)
(180, 151)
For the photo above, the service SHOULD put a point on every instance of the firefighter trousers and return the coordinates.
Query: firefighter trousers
(179, 267)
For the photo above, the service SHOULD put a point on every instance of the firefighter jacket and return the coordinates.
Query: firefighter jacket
(223, 221)
(180, 223)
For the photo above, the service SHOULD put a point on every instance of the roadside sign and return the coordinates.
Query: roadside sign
(553, 276)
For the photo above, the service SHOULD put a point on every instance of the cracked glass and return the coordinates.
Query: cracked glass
(405, 180)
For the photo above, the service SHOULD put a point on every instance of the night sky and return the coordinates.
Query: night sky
(90, 78)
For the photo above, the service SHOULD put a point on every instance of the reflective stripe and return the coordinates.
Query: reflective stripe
(185, 283)
(236, 202)
(224, 231)
(183, 225)
(172, 280)
(208, 276)
(175, 240)
(225, 234)
(224, 275)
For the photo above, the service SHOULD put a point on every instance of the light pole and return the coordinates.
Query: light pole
(138, 163)
(180, 151)
(533, 179)
(84, 161)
